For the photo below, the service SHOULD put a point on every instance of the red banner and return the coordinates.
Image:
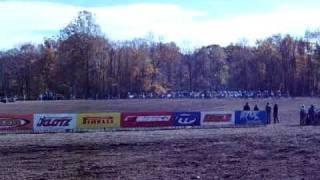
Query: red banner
(208, 118)
(149, 119)
(217, 118)
(16, 122)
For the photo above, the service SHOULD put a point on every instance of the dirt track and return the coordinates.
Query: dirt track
(284, 151)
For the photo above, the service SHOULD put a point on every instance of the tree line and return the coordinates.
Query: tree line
(81, 62)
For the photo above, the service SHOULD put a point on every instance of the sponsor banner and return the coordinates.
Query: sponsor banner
(217, 118)
(16, 122)
(186, 118)
(150, 119)
(251, 117)
(54, 122)
(98, 120)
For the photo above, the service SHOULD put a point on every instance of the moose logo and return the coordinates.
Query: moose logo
(251, 117)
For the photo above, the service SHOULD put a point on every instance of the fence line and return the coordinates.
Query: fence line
(101, 122)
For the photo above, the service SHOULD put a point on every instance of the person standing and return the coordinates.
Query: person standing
(268, 110)
(246, 107)
(317, 117)
(276, 114)
(303, 116)
(311, 115)
(256, 108)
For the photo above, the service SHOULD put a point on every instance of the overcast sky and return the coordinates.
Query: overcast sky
(189, 23)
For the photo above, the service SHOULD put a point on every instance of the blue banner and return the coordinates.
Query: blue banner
(186, 119)
(250, 117)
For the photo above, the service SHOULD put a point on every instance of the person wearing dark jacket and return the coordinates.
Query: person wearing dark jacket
(317, 117)
(276, 114)
(303, 116)
(256, 108)
(246, 107)
(311, 115)
(268, 110)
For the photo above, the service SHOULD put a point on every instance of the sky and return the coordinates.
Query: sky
(189, 23)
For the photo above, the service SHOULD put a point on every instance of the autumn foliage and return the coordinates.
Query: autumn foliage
(81, 62)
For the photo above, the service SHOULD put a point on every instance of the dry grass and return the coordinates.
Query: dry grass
(284, 151)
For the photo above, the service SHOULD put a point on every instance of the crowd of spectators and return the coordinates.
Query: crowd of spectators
(310, 116)
(49, 95)
(208, 94)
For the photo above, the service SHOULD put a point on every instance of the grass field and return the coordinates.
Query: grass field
(284, 151)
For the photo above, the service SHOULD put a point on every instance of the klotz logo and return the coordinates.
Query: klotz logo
(54, 121)
(6, 123)
(186, 119)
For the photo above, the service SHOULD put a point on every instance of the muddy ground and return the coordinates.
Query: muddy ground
(284, 151)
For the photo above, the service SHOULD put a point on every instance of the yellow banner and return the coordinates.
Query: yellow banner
(98, 120)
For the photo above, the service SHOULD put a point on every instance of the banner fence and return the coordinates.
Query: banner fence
(70, 122)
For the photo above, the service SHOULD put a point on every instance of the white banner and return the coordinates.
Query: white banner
(217, 118)
(54, 122)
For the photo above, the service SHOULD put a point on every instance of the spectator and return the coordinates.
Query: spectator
(303, 116)
(268, 110)
(256, 108)
(311, 115)
(246, 107)
(317, 117)
(275, 114)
